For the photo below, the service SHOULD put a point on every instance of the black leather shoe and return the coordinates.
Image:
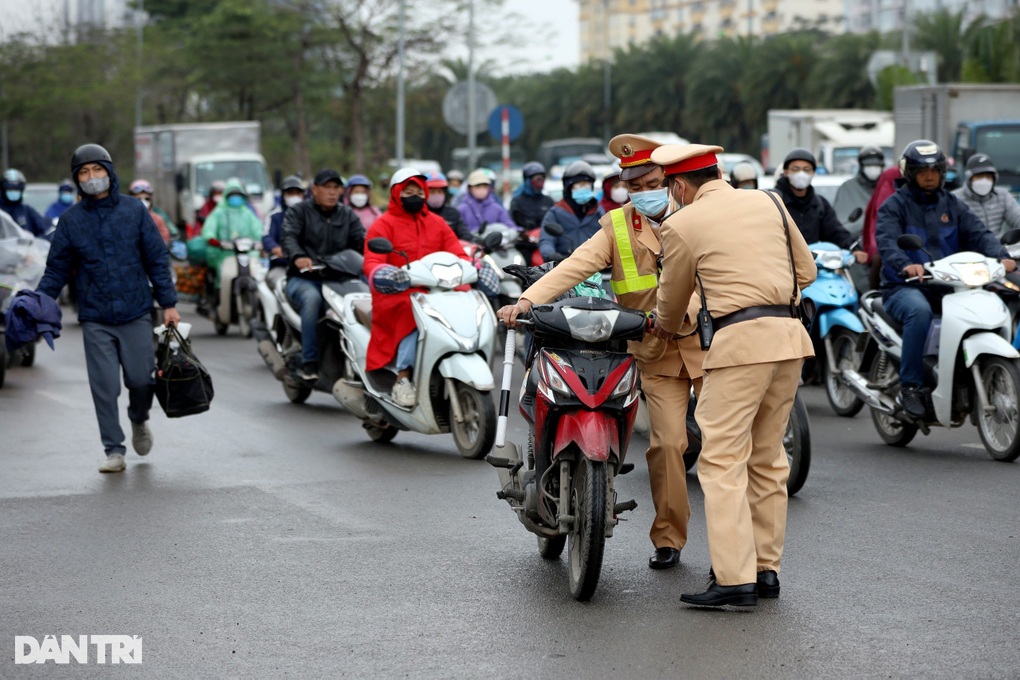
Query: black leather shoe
(744, 595)
(910, 400)
(664, 558)
(768, 584)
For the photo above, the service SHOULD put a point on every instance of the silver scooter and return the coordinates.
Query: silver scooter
(456, 340)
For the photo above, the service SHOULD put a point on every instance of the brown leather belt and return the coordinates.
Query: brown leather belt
(749, 313)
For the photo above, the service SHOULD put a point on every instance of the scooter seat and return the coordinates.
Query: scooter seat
(879, 308)
(363, 311)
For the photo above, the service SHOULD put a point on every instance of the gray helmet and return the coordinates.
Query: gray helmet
(979, 164)
(14, 179)
(89, 153)
(870, 153)
(578, 171)
(292, 183)
(800, 155)
(455, 175)
(532, 168)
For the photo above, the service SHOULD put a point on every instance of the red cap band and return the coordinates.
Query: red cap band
(639, 158)
(691, 164)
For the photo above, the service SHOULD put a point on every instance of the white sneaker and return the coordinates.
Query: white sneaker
(141, 438)
(404, 394)
(113, 463)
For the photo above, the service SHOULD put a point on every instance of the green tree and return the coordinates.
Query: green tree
(839, 78)
(946, 33)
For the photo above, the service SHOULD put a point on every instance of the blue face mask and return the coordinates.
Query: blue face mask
(650, 203)
(13, 196)
(66, 197)
(582, 196)
(235, 200)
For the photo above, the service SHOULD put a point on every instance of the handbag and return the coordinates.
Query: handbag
(805, 309)
(183, 385)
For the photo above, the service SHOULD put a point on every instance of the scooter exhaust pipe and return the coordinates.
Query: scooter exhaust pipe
(856, 382)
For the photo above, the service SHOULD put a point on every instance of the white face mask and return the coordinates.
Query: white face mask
(872, 172)
(217, 199)
(480, 193)
(619, 195)
(982, 187)
(800, 180)
(147, 203)
(359, 200)
(292, 200)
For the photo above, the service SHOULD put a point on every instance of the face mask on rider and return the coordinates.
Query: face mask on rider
(436, 199)
(582, 193)
(412, 204)
(359, 200)
(800, 180)
(217, 199)
(96, 186)
(872, 172)
(66, 197)
(480, 192)
(235, 200)
(13, 195)
(619, 195)
(982, 187)
(292, 200)
(147, 202)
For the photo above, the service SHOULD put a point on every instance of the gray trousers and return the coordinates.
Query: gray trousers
(109, 348)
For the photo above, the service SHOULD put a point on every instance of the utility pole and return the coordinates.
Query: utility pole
(472, 133)
(140, 21)
(400, 87)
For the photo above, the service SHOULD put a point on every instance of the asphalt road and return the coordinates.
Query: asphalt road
(264, 539)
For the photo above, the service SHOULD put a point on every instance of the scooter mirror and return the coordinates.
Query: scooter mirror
(910, 242)
(380, 246)
(855, 215)
(492, 240)
(1011, 237)
(553, 229)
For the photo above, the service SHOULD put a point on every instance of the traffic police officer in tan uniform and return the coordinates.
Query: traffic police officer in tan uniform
(628, 241)
(732, 244)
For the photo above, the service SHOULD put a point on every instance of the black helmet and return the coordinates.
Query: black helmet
(979, 164)
(800, 155)
(578, 171)
(921, 154)
(532, 168)
(870, 153)
(89, 153)
(14, 179)
(291, 183)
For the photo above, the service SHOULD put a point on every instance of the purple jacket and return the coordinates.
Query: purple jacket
(476, 213)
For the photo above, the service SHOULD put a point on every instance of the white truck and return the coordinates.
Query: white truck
(183, 160)
(964, 119)
(834, 136)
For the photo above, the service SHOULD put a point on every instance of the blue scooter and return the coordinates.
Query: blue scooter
(836, 327)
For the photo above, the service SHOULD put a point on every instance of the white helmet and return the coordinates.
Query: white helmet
(404, 174)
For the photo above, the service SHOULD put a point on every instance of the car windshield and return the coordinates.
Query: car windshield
(251, 173)
(1002, 144)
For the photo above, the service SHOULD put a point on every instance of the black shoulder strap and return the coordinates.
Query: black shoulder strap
(789, 245)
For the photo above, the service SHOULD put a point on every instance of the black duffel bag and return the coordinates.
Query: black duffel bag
(183, 385)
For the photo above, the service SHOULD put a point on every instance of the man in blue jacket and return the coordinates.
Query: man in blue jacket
(12, 202)
(113, 249)
(923, 207)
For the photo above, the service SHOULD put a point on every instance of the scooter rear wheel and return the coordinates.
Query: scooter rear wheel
(841, 398)
(551, 548)
(588, 535)
(381, 435)
(797, 442)
(1000, 428)
(893, 431)
(297, 394)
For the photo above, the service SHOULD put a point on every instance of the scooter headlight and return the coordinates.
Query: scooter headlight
(590, 325)
(626, 383)
(550, 380)
(829, 259)
(973, 273)
(243, 245)
(448, 275)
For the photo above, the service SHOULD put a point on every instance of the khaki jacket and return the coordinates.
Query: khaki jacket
(655, 356)
(735, 241)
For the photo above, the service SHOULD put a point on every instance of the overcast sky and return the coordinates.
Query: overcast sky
(552, 41)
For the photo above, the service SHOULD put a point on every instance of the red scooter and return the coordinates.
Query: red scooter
(579, 397)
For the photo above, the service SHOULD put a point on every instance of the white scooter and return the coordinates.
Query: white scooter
(456, 340)
(971, 368)
(236, 296)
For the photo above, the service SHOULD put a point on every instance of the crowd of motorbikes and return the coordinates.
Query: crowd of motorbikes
(581, 396)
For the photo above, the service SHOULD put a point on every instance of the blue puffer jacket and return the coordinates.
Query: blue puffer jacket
(113, 249)
(576, 230)
(26, 217)
(943, 222)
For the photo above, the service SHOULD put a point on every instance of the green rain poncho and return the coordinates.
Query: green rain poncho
(226, 224)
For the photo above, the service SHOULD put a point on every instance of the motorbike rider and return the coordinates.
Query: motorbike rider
(529, 204)
(413, 228)
(359, 197)
(480, 206)
(232, 219)
(578, 213)
(856, 191)
(996, 207)
(922, 206)
(439, 203)
(456, 186)
(213, 199)
(12, 195)
(744, 176)
(628, 241)
(142, 190)
(614, 191)
(66, 193)
(292, 192)
(814, 216)
(313, 230)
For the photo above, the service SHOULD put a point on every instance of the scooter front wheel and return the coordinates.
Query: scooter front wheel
(588, 535)
(797, 442)
(476, 432)
(1000, 427)
(246, 306)
(842, 399)
(551, 548)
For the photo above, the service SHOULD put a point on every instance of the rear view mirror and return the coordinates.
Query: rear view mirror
(492, 240)
(1011, 237)
(910, 242)
(855, 215)
(380, 246)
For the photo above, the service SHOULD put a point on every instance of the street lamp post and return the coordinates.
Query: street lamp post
(138, 91)
(400, 87)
